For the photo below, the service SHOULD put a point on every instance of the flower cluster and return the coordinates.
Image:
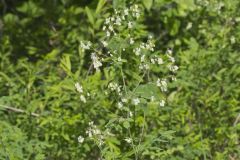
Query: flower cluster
(93, 132)
(162, 84)
(79, 88)
(172, 67)
(120, 18)
(115, 87)
(96, 61)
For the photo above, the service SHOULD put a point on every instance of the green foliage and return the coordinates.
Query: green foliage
(41, 59)
(15, 145)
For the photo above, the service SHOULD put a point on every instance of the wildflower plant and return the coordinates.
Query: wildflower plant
(140, 77)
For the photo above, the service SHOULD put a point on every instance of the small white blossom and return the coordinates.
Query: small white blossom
(162, 84)
(137, 51)
(172, 59)
(111, 28)
(124, 100)
(120, 105)
(80, 139)
(136, 101)
(79, 87)
(107, 21)
(152, 60)
(85, 46)
(126, 11)
(174, 78)
(108, 34)
(83, 99)
(169, 51)
(173, 68)
(119, 59)
(130, 25)
(96, 61)
(142, 58)
(160, 60)
(144, 66)
(128, 140)
(104, 43)
(189, 26)
(104, 28)
(130, 114)
(118, 21)
(131, 41)
(162, 103)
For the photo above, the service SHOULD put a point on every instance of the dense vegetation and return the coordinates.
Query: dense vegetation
(70, 89)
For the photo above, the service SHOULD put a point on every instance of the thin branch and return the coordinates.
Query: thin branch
(237, 120)
(17, 110)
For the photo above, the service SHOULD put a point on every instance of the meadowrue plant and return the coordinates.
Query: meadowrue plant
(141, 78)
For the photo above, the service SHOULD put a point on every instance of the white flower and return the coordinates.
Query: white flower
(160, 61)
(162, 84)
(119, 59)
(126, 11)
(137, 51)
(146, 66)
(130, 25)
(142, 58)
(172, 59)
(152, 60)
(85, 46)
(169, 51)
(189, 26)
(174, 78)
(173, 68)
(120, 105)
(108, 34)
(118, 21)
(113, 86)
(162, 103)
(80, 139)
(79, 87)
(104, 43)
(111, 28)
(83, 99)
(89, 132)
(130, 114)
(107, 21)
(104, 28)
(128, 140)
(137, 14)
(136, 101)
(131, 41)
(124, 100)
(96, 62)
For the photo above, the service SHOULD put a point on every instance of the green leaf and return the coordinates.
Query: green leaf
(66, 63)
(148, 4)
(100, 6)
(90, 15)
(148, 90)
(126, 124)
